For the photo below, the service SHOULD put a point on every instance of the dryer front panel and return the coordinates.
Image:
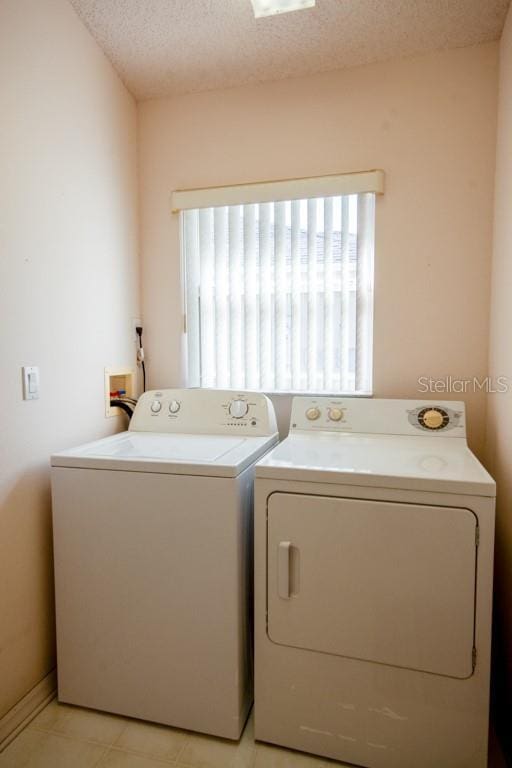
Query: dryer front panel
(391, 583)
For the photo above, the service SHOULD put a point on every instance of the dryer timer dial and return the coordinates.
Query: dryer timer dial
(433, 418)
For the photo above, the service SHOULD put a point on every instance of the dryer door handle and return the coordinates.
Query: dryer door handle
(283, 569)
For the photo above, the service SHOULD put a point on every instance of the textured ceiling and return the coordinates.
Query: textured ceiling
(165, 47)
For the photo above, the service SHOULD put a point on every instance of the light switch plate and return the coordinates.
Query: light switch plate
(30, 382)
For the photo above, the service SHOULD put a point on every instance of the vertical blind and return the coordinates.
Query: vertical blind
(279, 295)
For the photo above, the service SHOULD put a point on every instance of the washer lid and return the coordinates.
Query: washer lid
(210, 455)
(384, 461)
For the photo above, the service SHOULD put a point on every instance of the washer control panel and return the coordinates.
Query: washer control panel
(204, 411)
(372, 416)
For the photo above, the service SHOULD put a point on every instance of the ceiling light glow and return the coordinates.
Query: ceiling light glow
(273, 7)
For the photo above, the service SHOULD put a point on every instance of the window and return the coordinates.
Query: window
(279, 294)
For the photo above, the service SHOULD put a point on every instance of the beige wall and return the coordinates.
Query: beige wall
(499, 436)
(68, 291)
(428, 121)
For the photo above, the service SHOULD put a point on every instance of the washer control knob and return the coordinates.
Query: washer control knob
(238, 409)
(156, 406)
(335, 414)
(313, 413)
(174, 406)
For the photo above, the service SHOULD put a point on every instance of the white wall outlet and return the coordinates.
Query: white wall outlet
(30, 382)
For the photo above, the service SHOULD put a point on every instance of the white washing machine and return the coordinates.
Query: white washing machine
(153, 561)
(374, 531)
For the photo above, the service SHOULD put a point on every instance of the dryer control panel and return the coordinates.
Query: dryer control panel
(204, 411)
(379, 417)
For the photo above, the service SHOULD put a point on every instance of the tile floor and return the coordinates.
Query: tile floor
(70, 737)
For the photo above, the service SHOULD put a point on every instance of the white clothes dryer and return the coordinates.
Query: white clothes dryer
(374, 533)
(153, 561)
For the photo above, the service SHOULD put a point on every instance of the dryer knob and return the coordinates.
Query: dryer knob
(335, 414)
(174, 406)
(313, 413)
(156, 406)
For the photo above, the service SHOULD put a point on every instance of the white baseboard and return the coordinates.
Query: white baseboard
(27, 708)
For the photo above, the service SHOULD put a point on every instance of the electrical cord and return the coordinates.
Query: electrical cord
(140, 357)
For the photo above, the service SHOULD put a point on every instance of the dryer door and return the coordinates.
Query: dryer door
(380, 581)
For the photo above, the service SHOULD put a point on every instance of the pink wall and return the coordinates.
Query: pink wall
(499, 437)
(428, 121)
(68, 291)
